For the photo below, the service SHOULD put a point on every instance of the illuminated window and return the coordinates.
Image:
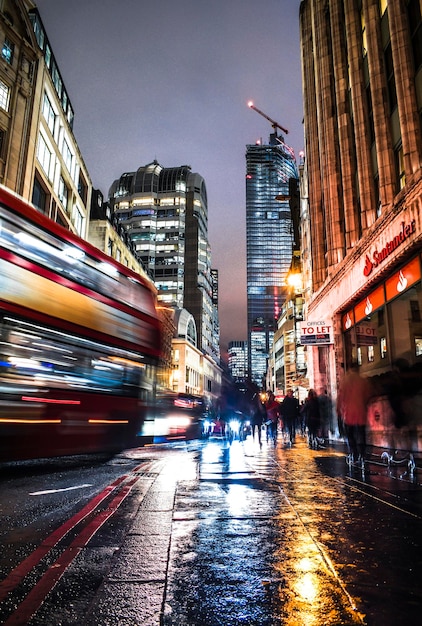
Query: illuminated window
(364, 40)
(383, 347)
(400, 168)
(4, 96)
(143, 201)
(8, 51)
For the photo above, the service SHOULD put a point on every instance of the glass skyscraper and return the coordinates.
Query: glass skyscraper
(269, 244)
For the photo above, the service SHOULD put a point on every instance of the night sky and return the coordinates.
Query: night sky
(170, 80)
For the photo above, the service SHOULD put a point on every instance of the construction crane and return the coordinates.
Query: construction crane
(274, 124)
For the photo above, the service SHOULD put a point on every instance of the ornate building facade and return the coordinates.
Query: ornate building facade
(362, 85)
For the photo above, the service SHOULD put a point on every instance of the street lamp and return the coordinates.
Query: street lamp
(295, 281)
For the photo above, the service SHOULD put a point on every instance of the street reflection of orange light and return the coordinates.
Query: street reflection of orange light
(307, 587)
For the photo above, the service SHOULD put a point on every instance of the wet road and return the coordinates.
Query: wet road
(287, 536)
(216, 534)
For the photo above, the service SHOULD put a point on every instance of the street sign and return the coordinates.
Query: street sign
(316, 333)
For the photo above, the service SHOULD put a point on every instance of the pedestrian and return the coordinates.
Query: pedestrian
(258, 416)
(290, 413)
(272, 408)
(313, 418)
(352, 403)
(326, 413)
(302, 417)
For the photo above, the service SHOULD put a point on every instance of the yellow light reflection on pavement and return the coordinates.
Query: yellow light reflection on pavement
(310, 592)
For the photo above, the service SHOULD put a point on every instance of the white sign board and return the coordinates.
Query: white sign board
(316, 333)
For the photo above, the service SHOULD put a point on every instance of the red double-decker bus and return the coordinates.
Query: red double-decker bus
(79, 341)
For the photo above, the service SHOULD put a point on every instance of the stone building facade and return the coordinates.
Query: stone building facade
(39, 156)
(362, 86)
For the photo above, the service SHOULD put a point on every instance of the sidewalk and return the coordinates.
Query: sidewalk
(273, 536)
(132, 593)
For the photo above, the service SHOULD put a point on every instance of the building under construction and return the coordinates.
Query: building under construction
(269, 242)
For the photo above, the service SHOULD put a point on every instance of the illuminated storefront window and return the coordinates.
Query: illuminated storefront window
(386, 326)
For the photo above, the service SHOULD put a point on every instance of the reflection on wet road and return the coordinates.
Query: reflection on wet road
(248, 545)
(204, 532)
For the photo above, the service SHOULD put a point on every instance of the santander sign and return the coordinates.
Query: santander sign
(378, 256)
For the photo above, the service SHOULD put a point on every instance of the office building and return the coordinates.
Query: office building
(237, 360)
(164, 212)
(269, 244)
(362, 84)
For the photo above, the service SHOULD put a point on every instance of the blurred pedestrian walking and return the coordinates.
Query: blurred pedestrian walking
(313, 418)
(326, 413)
(272, 408)
(258, 418)
(290, 414)
(352, 403)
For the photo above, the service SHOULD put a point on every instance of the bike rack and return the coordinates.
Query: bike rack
(409, 461)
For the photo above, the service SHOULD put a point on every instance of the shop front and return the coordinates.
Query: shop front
(374, 303)
(382, 334)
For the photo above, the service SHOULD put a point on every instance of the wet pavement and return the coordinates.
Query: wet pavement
(253, 558)
(213, 533)
(238, 534)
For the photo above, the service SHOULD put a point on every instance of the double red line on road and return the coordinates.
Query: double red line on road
(36, 596)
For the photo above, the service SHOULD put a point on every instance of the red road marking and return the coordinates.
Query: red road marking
(36, 596)
(18, 574)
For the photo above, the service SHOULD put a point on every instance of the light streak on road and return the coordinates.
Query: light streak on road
(43, 493)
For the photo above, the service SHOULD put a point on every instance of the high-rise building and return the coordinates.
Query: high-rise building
(237, 360)
(164, 212)
(362, 85)
(269, 244)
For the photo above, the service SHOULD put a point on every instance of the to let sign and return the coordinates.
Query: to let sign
(315, 333)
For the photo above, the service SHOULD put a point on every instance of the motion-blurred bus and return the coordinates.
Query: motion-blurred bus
(79, 341)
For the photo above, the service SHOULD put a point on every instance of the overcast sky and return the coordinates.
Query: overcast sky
(170, 80)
